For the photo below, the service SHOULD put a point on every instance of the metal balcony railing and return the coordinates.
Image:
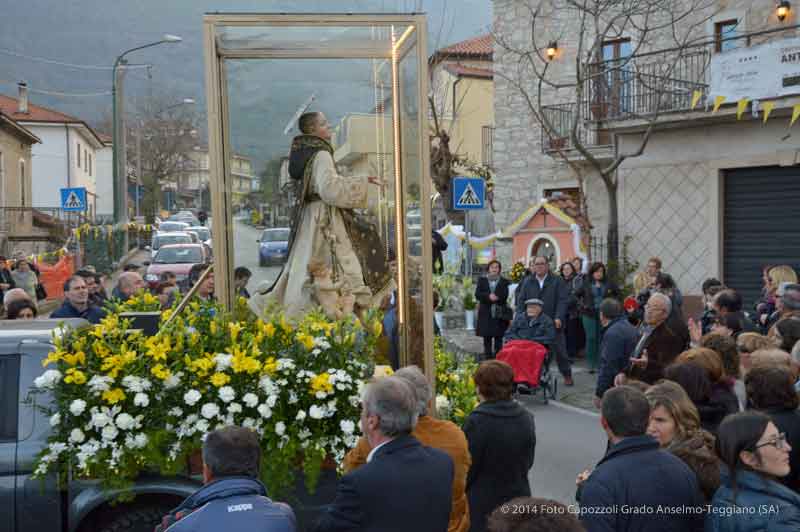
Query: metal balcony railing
(641, 86)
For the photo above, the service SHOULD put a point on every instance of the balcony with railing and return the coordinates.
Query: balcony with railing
(649, 86)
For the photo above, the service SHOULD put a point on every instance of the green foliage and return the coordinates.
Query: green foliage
(456, 395)
(621, 271)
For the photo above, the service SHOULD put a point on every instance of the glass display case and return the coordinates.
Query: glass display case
(334, 216)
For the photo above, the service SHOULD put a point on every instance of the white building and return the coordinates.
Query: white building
(104, 183)
(66, 156)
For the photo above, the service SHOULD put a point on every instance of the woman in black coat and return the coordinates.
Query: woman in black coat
(502, 441)
(494, 314)
(596, 287)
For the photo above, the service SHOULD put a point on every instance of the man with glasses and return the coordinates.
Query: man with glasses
(554, 294)
(661, 341)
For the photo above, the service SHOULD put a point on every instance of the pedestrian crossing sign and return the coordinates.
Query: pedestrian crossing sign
(73, 199)
(469, 193)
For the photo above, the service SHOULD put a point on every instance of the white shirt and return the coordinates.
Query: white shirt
(541, 281)
(373, 451)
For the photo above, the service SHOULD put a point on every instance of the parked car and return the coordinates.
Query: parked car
(172, 226)
(273, 246)
(204, 233)
(166, 239)
(74, 505)
(178, 259)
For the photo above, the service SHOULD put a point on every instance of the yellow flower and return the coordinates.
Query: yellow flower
(220, 379)
(53, 356)
(75, 358)
(377, 328)
(269, 330)
(74, 376)
(285, 325)
(157, 347)
(161, 372)
(166, 314)
(235, 329)
(306, 340)
(202, 366)
(270, 366)
(321, 383)
(101, 350)
(114, 396)
(194, 338)
(212, 327)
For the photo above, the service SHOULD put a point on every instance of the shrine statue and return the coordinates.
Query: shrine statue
(336, 260)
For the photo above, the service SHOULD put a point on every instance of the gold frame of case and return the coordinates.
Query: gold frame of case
(263, 36)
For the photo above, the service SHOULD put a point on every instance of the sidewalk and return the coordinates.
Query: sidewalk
(580, 395)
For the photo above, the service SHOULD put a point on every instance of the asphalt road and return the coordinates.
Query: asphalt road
(245, 253)
(568, 441)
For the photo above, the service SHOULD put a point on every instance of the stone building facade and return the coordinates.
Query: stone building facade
(681, 198)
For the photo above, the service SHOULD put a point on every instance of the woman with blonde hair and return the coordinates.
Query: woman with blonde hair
(775, 276)
(675, 423)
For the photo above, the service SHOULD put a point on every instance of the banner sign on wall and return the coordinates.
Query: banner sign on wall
(758, 72)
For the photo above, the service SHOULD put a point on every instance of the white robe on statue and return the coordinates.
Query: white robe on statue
(320, 227)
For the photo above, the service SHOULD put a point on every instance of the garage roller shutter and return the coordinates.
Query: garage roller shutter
(761, 225)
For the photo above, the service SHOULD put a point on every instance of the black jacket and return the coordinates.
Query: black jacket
(541, 330)
(405, 487)
(5, 278)
(502, 442)
(663, 345)
(585, 296)
(554, 294)
(439, 244)
(635, 473)
(616, 347)
(487, 325)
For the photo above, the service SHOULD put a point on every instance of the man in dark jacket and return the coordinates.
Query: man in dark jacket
(232, 498)
(662, 340)
(617, 346)
(554, 293)
(730, 302)
(404, 486)
(439, 244)
(637, 487)
(532, 324)
(76, 302)
(6, 281)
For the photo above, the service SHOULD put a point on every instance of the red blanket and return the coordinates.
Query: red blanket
(526, 358)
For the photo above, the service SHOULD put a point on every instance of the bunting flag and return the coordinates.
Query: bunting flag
(718, 101)
(741, 107)
(795, 114)
(768, 107)
(696, 95)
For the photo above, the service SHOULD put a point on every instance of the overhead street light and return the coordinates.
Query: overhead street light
(118, 134)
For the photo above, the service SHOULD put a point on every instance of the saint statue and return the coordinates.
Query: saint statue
(336, 259)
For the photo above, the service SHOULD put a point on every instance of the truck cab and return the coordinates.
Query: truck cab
(41, 504)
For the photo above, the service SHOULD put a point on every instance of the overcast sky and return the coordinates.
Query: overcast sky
(94, 32)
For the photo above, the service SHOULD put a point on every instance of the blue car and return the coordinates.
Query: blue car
(273, 246)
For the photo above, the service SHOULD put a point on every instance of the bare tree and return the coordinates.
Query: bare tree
(659, 70)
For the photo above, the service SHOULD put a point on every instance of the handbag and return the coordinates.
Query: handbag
(502, 312)
(41, 293)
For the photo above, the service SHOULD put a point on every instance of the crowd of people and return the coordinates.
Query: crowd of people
(706, 404)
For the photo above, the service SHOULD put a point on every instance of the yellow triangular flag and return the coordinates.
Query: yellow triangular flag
(795, 114)
(696, 95)
(741, 107)
(718, 101)
(768, 107)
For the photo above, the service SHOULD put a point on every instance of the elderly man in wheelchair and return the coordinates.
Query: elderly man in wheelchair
(527, 349)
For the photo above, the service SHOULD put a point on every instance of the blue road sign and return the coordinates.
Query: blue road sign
(73, 199)
(469, 193)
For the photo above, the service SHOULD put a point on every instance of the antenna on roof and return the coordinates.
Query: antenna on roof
(302, 109)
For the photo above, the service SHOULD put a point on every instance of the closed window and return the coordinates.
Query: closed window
(724, 35)
(9, 397)
(78, 158)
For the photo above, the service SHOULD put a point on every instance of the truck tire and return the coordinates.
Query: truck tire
(132, 518)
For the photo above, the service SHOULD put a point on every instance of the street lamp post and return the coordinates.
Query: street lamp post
(118, 149)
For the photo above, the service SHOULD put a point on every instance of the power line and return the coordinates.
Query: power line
(61, 63)
(59, 93)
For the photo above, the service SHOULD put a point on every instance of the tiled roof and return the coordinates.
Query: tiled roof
(570, 208)
(469, 72)
(479, 47)
(21, 130)
(107, 139)
(10, 107)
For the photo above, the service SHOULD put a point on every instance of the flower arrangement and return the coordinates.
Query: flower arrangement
(468, 294)
(517, 272)
(447, 286)
(456, 395)
(125, 403)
